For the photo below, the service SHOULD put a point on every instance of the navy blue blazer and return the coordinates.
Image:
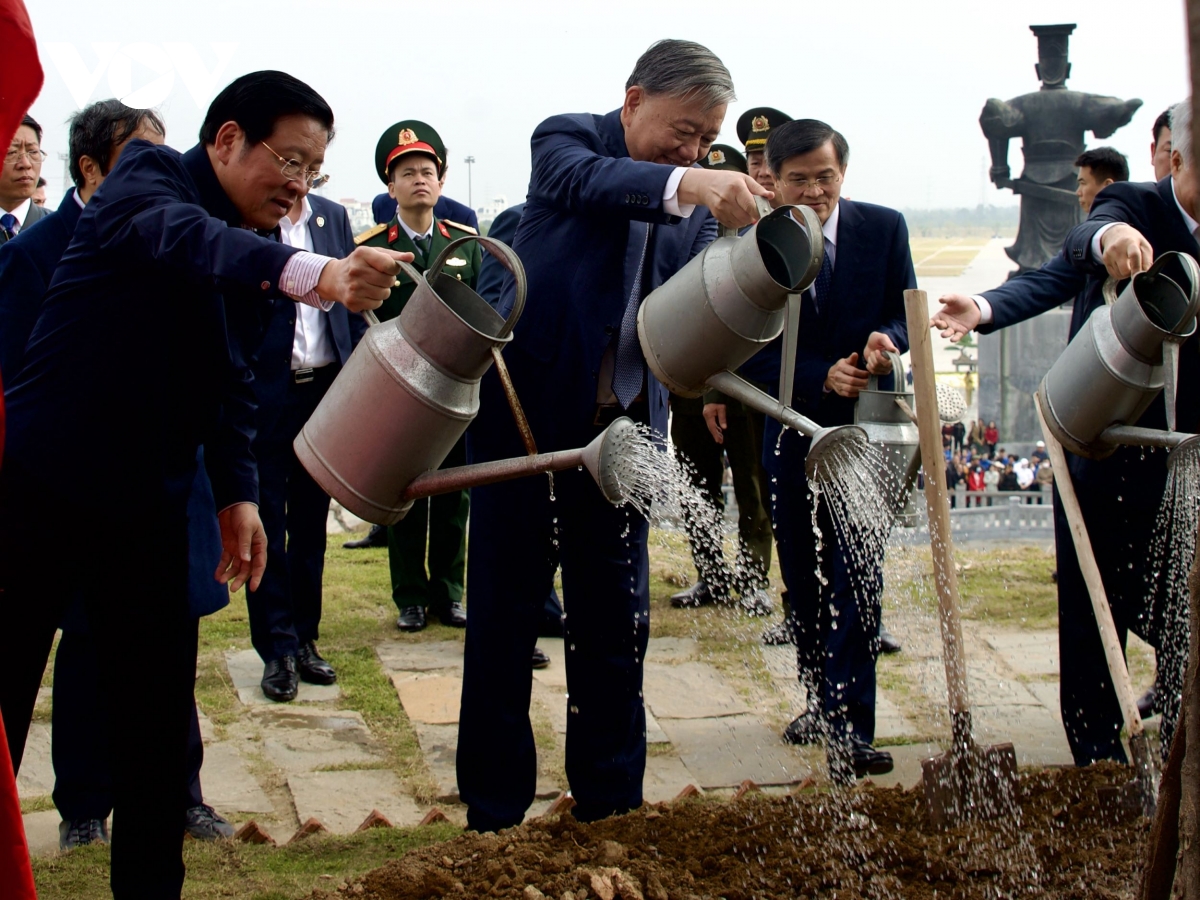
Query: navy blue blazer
(273, 362)
(489, 284)
(383, 208)
(27, 263)
(873, 270)
(1151, 209)
(574, 241)
(140, 350)
(1031, 294)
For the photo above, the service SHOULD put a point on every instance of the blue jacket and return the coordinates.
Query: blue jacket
(1151, 209)
(272, 363)
(140, 350)
(574, 241)
(27, 263)
(383, 208)
(1033, 293)
(492, 275)
(873, 270)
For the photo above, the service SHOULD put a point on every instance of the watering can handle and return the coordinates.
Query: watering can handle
(506, 257)
(369, 315)
(764, 209)
(897, 371)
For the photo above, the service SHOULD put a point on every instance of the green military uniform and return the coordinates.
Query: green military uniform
(443, 518)
(743, 445)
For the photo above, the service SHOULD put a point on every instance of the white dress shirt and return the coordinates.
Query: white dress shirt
(829, 230)
(312, 347)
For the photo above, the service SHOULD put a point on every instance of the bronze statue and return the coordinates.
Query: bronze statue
(1051, 123)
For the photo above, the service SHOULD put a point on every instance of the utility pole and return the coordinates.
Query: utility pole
(470, 160)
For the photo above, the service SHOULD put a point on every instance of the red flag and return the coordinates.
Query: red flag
(20, 86)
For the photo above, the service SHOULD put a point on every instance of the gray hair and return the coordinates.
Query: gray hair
(1181, 131)
(683, 69)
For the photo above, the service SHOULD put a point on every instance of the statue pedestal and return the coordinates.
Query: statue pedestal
(1012, 363)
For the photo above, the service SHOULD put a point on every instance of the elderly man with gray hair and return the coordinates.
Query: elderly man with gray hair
(1130, 225)
(614, 209)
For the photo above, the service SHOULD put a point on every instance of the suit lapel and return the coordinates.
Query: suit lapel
(321, 229)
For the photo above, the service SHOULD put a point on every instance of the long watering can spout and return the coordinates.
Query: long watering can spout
(822, 462)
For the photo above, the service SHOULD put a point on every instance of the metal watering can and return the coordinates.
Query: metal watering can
(730, 301)
(1125, 354)
(886, 417)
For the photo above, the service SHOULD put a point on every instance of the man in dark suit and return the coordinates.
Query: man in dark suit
(19, 179)
(302, 351)
(164, 259)
(612, 212)
(851, 316)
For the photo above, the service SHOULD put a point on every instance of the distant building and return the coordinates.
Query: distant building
(492, 209)
(360, 214)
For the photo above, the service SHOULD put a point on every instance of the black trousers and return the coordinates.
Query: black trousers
(80, 743)
(285, 611)
(142, 621)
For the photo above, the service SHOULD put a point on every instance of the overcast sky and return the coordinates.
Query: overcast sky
(904, 82)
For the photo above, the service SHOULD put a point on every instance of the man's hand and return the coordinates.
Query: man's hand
(243, 547)
(729, 196)
(1125, 252)
(845, 378)
(959, 314)
(714, 418)
(875, 353)
(363, 280)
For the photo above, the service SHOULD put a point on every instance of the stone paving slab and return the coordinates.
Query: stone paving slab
(341, 800)
(672, 649)
(228, 785)
(420, 656)
(304, 740)
(1035, 733)
(36, 778)
(1048, 695)
(723, 752)
(1032, 653)
(555, 674)
(986, 679)
(246, 669)
(907, 757)
(890, 721)
(554, 701)
(439, 746)
(41, 832)
(689, 690)
(431, 698)
(665, 777)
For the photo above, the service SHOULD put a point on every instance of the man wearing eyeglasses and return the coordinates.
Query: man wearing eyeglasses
(852, 316)
(140, 358)
(19, 180)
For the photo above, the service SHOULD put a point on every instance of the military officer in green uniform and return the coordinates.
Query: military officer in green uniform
(742, 441)
(427, 549)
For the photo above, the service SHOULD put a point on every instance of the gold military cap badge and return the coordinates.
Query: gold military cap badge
(716, 157)
(760, 123)
(407, 136)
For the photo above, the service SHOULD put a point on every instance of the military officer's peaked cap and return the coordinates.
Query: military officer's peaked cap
(724, 158)
(754, 126)
(409, 136)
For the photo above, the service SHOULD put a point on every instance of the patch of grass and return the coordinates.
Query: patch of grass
(36, 804)
(253, 872)
(660, 749)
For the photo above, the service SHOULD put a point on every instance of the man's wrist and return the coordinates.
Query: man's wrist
(1098, 241)
(671, 204)
(985, 309)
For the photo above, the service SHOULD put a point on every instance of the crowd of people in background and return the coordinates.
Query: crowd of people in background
(976, 465)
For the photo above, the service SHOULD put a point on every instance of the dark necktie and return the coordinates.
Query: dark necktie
(8, 222)
(422, 244)
(823, 282)
(629, 365)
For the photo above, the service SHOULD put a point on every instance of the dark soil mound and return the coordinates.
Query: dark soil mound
(870, 843)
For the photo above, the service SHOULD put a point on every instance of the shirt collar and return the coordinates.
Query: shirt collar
(305, 214)
(75, 196)
(1191, 223)
(412, 234)
(830, 228)
(21, 211)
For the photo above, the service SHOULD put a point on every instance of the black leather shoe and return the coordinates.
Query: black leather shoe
(540, 658)
(412, 618)
(779, 633)
(280, 679)
(855, 758)
(313, 668)
(81, 832)
(204, 824)
(757, 602)
(805, 729)
(376, 537)
(1148, 703)
(699, 594)
(453, 615)
(887, 641)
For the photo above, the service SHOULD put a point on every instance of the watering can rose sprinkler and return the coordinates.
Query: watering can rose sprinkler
(411, 388)
(731, 300)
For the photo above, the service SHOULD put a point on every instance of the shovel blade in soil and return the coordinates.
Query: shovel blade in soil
(980, 783)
